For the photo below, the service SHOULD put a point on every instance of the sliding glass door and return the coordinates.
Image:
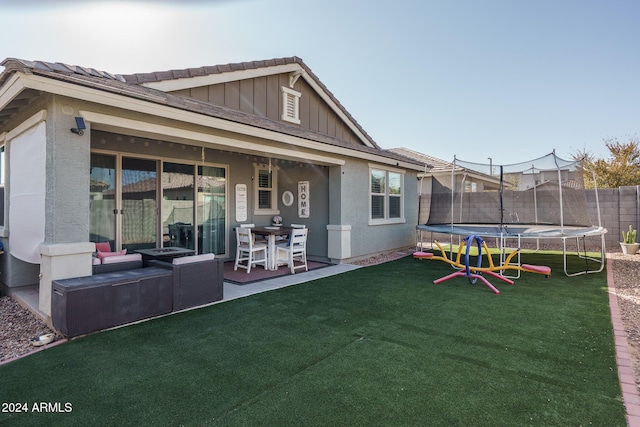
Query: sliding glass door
(139, 204)
(102, 199)
(212, 184)
(177, 205)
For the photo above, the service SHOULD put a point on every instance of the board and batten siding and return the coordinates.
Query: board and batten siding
(262, 97)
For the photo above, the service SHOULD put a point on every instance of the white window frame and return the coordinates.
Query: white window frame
(290, 105)
(257, 167)
(470, 187)
(387, 196)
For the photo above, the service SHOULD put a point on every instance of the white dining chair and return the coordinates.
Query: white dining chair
(253, 235)
(294, 250)
(247, 250)
(285, 238)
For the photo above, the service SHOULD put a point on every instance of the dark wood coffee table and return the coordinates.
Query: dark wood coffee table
(163, 254)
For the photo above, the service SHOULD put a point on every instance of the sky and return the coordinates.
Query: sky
(509, 80)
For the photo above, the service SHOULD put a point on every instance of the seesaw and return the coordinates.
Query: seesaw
(473, 273)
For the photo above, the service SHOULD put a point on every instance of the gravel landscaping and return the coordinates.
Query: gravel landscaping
(17, 326)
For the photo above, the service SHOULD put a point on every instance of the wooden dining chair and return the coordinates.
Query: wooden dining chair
(247, 250)
(285, 238)
(294, 250)
(258, 238)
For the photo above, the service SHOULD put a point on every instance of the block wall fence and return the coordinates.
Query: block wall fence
(619, 208)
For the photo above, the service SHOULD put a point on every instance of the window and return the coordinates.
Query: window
(386, 196)
(470, 187)
(378, 187)
(266, 190)
(290, 105)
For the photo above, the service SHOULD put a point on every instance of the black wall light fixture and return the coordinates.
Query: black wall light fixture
(80, 126)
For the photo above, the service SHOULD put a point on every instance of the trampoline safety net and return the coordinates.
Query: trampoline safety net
(544, 191)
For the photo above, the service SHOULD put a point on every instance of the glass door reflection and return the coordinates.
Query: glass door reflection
(212, 208)
(139, 204)
(102, 199)
(177, 205)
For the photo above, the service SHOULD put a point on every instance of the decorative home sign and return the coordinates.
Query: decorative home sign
(241, 202)
(303, 199)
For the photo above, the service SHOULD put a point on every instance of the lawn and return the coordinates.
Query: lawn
(378, 346)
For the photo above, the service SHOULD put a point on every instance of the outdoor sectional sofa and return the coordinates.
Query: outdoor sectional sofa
(124, 292)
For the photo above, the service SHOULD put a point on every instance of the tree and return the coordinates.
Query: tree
(620, 169)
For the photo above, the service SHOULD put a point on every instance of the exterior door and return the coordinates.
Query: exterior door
(177, 205)
(131, 209)
(212, 208)
(102, 199)
(139, 203)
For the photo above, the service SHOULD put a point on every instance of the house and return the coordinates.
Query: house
(182, 157)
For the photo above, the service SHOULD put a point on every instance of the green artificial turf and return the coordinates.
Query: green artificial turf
(378, 346)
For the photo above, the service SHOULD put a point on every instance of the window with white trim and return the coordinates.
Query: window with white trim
(265, 190)
(386, 196)
(470, 187)
(290, 105)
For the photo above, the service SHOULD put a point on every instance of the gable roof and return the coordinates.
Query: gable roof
(172, 80)
(139, 87)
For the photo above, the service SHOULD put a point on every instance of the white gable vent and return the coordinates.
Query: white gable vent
(290, 105)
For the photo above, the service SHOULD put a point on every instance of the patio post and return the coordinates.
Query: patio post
(339, 242)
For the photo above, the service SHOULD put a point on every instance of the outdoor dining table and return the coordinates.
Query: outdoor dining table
(270, 233)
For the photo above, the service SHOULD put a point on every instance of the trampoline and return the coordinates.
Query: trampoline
(543, 199)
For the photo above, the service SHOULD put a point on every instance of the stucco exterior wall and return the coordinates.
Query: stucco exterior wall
(68, 164)
(366, 239)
